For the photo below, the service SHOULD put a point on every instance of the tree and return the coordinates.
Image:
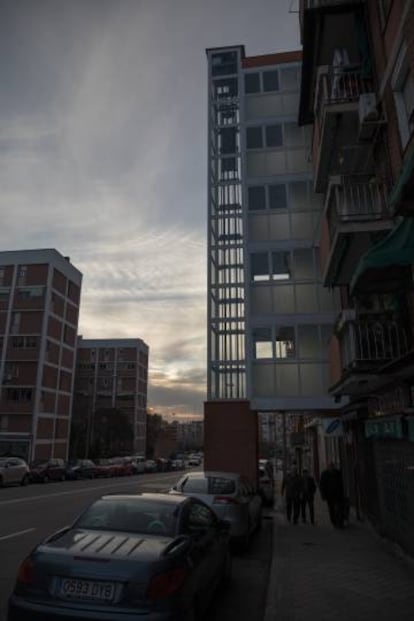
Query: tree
(112, 433)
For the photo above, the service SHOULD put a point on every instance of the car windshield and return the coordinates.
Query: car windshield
(209, 485)
(138, 515)
(38, 463)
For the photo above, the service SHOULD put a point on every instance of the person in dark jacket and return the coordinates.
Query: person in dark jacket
(332, 491)
(292, 489)
(308, 494)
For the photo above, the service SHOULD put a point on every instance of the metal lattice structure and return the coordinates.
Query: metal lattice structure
(226, 290)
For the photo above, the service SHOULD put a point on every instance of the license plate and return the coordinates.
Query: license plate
(87, 589)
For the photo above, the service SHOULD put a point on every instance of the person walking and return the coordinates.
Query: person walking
(332, 491)
(308, 495)
(292, 489)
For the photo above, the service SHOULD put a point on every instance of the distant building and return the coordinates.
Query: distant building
(39, 307)
(190, 435)
(111, 374)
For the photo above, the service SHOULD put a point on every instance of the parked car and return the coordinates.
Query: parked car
(139, 463)
(80, 469)
(194, 460)
(118, 467)
(48, 470)
(230, 495)
(153, 556)
(13, 470)
(150, 465)
(104, 468)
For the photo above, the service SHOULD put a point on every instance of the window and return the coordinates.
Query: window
(254, 139)
(285, 342)
(200, 516)
(224, 63)
(259, 266)
(262, 339)
(256, 197)
(21, 274)
(277, 196)
(2, 275)
(270, 80)
(226, 88)
(228, 140)
(252, 83)
(289, 77)
(403, 87)
(273, 135)
(280, 266)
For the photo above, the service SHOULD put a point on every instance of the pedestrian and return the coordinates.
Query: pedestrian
(308, 494)
(292, 489)
(332, 491)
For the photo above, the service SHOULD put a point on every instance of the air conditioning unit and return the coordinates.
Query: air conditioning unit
(368, 116)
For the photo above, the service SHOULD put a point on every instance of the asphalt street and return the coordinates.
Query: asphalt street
(29, 514)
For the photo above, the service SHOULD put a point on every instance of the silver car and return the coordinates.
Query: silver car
(14, 470)
(230, 495)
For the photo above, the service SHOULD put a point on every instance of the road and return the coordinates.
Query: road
(28, 514)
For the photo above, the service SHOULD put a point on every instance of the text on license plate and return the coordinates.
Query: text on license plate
(87, 589)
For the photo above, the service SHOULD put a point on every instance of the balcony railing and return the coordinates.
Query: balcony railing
(340, 85)
(355, 199)
(372, 343)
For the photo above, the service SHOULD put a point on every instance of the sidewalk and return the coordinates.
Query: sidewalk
(319, 573)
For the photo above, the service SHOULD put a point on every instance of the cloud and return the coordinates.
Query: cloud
(103, 156)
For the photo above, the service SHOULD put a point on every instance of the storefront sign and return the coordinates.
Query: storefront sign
(384, 428)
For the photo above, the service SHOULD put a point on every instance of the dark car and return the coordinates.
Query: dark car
(48, 470)
(103, 468)
(80, 469)
(152, 556)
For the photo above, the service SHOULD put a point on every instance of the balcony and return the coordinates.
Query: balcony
(355, 210)
(361, 348)
(304, 5)
(341, 142)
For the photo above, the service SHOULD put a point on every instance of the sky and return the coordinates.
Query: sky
(103, 156)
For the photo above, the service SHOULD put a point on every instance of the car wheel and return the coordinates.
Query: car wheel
(25, 480)
(62, 477)
(45, 479)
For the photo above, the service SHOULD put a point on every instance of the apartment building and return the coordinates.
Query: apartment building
(269, 316)
(39, 307)
(357, 95)
(111, 376)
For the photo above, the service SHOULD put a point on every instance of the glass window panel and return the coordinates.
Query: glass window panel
(226, 88)
(311, 379)
(287, 380)
(228, 140)
(259, 266)
(252, 83)
(224, 63)
(283, 299)
(293, 135)
(289, 78)
(303, 266)
(254, 138)
(274, 136)
(308, 342)
(281, 266)
(270, 80)
(277, 196)
(285, 342)
(298, 195)
(306, 299)
(262, 340)
(256, 197)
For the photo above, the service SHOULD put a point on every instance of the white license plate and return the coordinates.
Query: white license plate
(87, 589)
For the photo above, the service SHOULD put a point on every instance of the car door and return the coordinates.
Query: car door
(253, 501)
(208, 549)
(14, 471)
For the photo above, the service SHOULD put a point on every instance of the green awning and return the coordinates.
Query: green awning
(380, 261)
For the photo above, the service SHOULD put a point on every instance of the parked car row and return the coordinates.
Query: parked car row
(14, 470)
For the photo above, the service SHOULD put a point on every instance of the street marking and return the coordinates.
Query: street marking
(75, 491)
(17, 534)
